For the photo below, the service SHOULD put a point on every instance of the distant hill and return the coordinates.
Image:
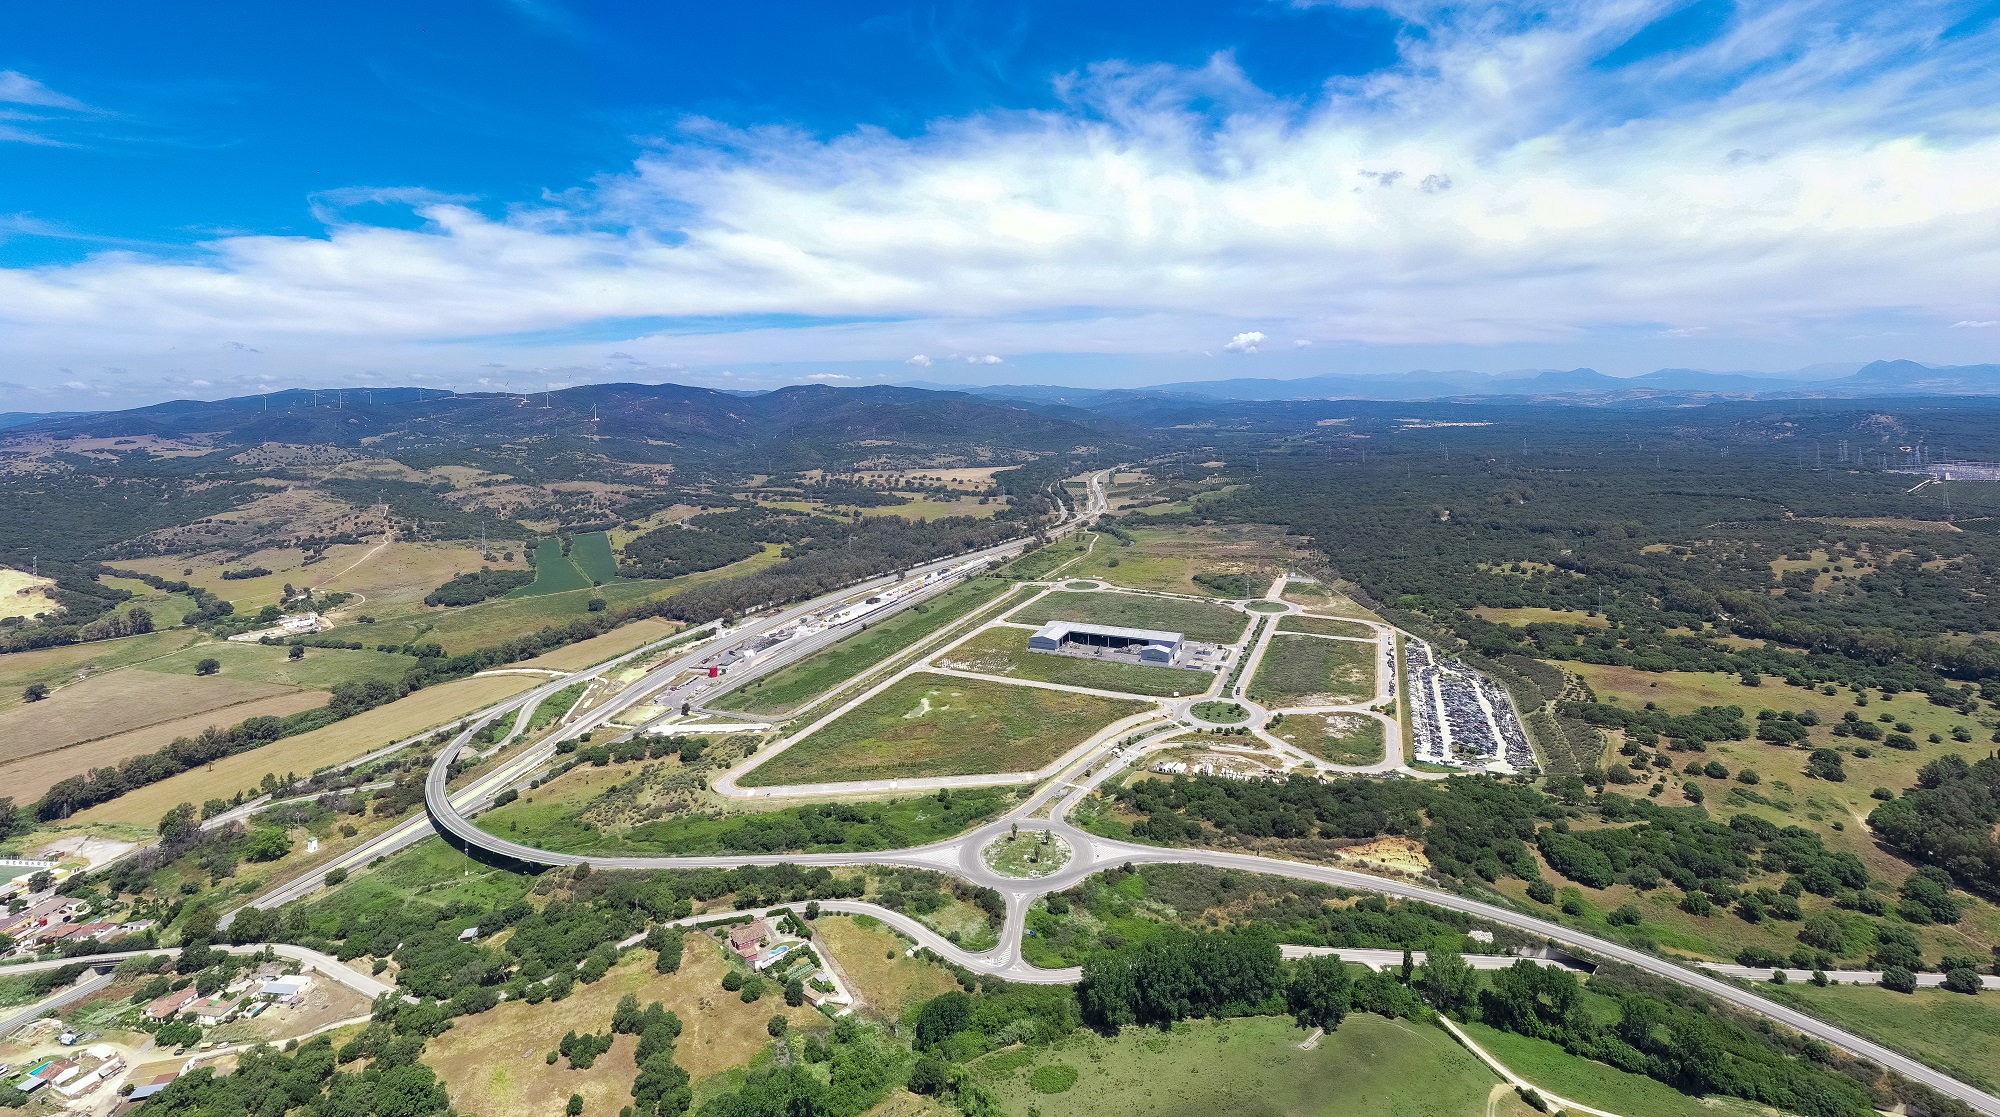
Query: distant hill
(632, 421)
(9, 419)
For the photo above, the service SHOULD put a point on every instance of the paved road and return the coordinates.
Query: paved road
(86, 988)
(962, 856)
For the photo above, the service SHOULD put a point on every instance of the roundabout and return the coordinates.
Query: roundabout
(1028, 856)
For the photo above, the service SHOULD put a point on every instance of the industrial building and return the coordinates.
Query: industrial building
(1146, 645)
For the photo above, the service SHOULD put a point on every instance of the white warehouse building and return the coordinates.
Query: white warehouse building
(1149, 645)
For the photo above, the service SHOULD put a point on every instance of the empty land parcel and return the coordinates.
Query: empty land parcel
(1197, 620)
(937, 725)
(1314, 671)
(1004, 651)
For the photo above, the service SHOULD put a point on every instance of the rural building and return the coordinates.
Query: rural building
(171, 1003)
(749, 940)
(1148, 645)
(219, 1009)
(286, 988)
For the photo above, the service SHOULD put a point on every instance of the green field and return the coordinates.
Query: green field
(554, 823)
(321, 668)
(1199, 620)
(554, 572)
(1370, 1067)
(1594, 1084)
(830, 667)
(1334, 738)
(1004, 651)
(1310, 671)
(933, 725)
(1957, 1034)
(1325, 626)
(591, 553)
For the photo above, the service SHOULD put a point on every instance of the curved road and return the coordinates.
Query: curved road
(961, 856)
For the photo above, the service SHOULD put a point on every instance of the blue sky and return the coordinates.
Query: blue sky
(213, 199)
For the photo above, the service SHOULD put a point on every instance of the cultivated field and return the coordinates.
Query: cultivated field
(1004, 651)
(492, 1063)
(1334, 738)
(343, 740)
(554, 572)
(1310, 671)
(320, 668)
(33, 768)
(597, 649)
(1370, 1067)
(1325, 627)
(1198, 620)
(56, 667)
(118, 701)
(934, 725)
(828, 668)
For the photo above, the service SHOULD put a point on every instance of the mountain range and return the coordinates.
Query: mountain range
(1899, 378)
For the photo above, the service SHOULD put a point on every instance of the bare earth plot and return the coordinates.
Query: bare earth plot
(1334, 738)
(1004, 652)
(937, 725)
(1198, 620)
(1309, 671)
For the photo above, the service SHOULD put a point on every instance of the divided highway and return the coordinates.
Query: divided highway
(447, 813)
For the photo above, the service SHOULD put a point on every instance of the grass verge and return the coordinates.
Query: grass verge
(1198, 620)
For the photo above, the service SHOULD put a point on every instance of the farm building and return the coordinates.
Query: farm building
(1148, 645)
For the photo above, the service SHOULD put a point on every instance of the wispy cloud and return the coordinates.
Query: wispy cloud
(1810, 166)
(17, 88)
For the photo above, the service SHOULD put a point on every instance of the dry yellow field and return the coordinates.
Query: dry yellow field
(22, 594)
(386, 576)
(888, 985)
(493, 1065)
(343, 740)
(26, 775)
(619, 640)
(119, 701)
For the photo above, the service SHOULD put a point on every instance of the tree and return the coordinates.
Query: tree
(575, 1105)
(942, 1017)
(208, 666)
(929, 1076)
(1962, 979)
(1899, 979)
(335, 876)
(35, 692)
(777, 1026)
(1927, 898)
(178, 824)
(1318, 992)
(298, 652)
(1824, 932)
(795, 992)
(1825, 764)
(1447, 981)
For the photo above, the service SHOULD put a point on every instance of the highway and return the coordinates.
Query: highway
(961, 856)
(715, 649)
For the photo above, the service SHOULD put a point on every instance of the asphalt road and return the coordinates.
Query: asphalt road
(85, 988)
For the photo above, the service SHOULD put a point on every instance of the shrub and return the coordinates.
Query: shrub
(1962, 979)
(1898, 979)
(1052, 1078)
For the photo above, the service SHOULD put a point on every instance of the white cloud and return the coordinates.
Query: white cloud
(1820, 166)
(824, 376)
(1968, 325)
(988, 359)
(1301, 343)
(17, 88)
(1245, 342)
